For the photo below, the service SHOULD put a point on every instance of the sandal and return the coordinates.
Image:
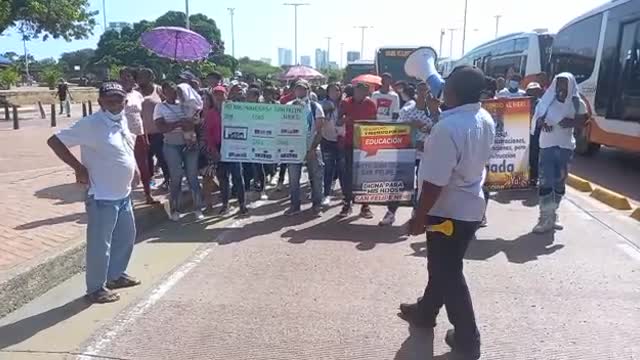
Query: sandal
(103, 296)
(125, 281)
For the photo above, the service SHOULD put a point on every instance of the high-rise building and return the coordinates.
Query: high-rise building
(353, 56)
(285, 57)
(333, 65)
(321, 59)
(305, 60)
(118, 25)
(266, 60)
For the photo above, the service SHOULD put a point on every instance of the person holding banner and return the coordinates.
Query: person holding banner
(418, 114)
(559, 111)
(357, 108)
(331, 154)
(315, 166)
(450, 182)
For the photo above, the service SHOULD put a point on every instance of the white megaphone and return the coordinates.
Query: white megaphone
(421, 64)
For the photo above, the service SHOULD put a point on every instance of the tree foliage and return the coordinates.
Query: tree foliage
(124, 49)
(67, 19)
(258, 69)
(333, 75)
(82, 58)
(9, 77)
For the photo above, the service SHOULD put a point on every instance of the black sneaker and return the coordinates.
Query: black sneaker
(346, 211)
(224, 211)
(466, 354)
(244, 210)
(411, 313)
(365, 212)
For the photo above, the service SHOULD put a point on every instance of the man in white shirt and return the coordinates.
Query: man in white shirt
(513, 88)
(314, 115)
(451, 176)
(386, 100)
(108, 167)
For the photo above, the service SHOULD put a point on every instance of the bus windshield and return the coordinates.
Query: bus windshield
(355, 69)
(391, 60)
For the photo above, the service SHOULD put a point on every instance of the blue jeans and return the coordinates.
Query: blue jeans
(111, 232)
(553, 170)
(331, 157)
(180, 162)
(235, 170)
(316, 173)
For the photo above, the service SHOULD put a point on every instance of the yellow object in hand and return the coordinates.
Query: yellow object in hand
(445, 228)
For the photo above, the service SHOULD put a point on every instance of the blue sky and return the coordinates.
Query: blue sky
(261, 26)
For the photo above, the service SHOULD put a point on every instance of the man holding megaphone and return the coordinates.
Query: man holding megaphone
(450, 180)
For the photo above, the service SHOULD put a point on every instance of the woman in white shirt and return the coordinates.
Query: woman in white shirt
(181, 157)
(558, 112)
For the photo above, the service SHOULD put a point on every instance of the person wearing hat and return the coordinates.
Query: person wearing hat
(107, 167)
(450, 183)
(355, 108)
(315, 165)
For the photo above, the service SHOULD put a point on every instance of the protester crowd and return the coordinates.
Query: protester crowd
(176, 128)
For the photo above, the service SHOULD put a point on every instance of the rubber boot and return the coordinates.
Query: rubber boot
(547, 215)
(557, 225)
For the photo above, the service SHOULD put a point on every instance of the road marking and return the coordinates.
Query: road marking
(633, 252)
(161, 290)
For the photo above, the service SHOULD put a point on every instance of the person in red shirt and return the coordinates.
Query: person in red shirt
(353, 109)
(288, 96)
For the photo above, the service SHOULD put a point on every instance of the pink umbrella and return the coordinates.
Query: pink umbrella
(301, 72)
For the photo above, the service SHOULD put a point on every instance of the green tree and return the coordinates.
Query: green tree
(67, 19)
(82, 58)
(333, 75)
(50, 75)
(11, 55)
(9, 77)
(259, 69)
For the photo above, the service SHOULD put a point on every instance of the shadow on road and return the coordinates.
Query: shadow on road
(418, 346)
(80, 218)
(528, 197)
(64, 193)
(24, 329)
(366, 236)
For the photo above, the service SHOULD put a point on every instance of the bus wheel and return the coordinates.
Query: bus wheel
(583, 146)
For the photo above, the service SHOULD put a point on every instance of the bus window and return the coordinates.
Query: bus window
(627, 97)
(506, 65)
(574, 48)
(522, 44)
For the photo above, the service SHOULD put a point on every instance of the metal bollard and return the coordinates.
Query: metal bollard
(53, 116)
(84, 109)
(16, 125)
(90, 108)
(43, 115)
(6, 112)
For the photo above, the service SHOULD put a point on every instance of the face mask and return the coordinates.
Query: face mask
(513, 85)
(117, 117)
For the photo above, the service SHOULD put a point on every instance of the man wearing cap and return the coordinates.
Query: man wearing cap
(356, 108)
(450, 182)
(108, 167)
(314, 117)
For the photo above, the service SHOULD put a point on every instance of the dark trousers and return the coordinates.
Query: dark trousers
(281, 173)
(331, 157)
(226, 169)
(447, 285)
(156, 143)
(345, 164)
(534, 155)
(141, 153)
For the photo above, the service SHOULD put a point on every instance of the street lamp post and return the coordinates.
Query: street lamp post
(233, 38)
(464, 25)
(328, 50)
(104, 15)
(186, 10)
(441, 40)
(497, 23)
(362, 28)
(295, 25)
(451, 31)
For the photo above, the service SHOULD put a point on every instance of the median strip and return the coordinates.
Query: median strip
(579, 183)
(611, 198)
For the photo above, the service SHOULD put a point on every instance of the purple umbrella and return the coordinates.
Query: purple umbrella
(176, 43)
(301, 72)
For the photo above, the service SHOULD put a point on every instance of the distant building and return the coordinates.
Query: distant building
(353, 56)
(333, 65)
(266, 60)
(118, 26)
(321, 59)
(305, 60)
(285, 57)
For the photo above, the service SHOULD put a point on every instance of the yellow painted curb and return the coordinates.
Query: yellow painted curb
(579, 183)
(636, 214)
(611, 198)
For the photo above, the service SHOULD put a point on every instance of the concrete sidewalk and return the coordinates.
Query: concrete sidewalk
(276, 287)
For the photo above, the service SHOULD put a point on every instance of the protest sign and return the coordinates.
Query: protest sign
(383, 163)
(263, 133)
(508, 167)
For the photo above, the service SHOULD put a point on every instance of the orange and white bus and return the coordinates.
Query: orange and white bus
(602, 49)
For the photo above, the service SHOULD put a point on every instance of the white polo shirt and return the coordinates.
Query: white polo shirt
(454, 158)
(106, 150)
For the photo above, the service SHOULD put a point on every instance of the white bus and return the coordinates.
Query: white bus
(602, 49)
(524, 53)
